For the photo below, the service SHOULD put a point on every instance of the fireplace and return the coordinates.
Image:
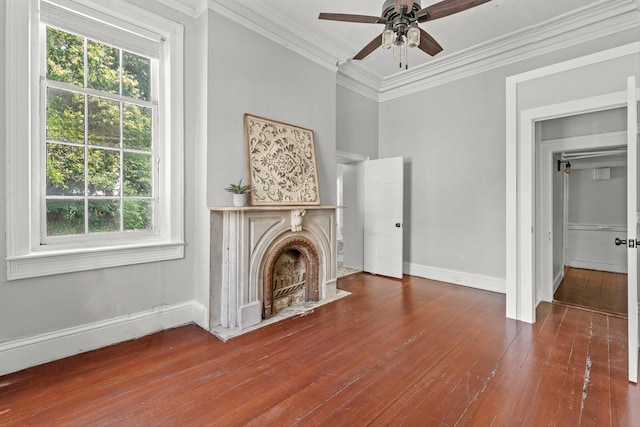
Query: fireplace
(265, 259)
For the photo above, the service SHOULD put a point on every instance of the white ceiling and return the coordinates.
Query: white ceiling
(487, 22)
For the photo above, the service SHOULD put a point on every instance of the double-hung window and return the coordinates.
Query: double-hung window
(103, 183)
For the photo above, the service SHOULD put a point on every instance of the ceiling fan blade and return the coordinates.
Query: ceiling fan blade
(345, 17)
(446, 8)
(428, 44)
(373, 45)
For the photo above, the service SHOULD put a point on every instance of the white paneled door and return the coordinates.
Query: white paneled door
(633, 210)
(383, 198)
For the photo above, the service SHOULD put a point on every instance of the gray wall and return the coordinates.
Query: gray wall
(602, 202)
(257, 76)
(452, 139)
(35, 306)
(357, 123)
(584, 124)
(594, 207)
(455, 148)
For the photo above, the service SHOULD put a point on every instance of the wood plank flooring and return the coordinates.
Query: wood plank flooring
(599, 290)
(409, 352)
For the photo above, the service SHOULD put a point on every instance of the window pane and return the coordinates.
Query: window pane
(104, 122)
(104, 215)
(99, 148)
(65, 170)
(137, 174)
(103, 66)
(136, 71)
(138, 214)
(65, 57)
(65, 116)
(104, 172)
(65, 217)
(136, 127)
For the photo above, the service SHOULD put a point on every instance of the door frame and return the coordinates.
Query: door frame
(520, 297)
(356, 249)
(523, 289)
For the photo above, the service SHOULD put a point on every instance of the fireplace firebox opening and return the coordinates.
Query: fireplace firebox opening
(290, 275)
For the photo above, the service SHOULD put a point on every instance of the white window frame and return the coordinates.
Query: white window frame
(26, 255)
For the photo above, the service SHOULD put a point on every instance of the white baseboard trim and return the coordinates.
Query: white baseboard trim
(471, 280)
(557, 280)
(24, 353)
(200, 314)
(600, 266)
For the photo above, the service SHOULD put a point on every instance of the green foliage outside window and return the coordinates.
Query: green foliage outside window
(99, 167)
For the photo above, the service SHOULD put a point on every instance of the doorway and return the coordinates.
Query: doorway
(589, 187)
(369, 228)
(349, 220)
(580, 196)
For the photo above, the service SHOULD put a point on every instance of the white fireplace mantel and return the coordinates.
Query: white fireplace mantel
(240, 239)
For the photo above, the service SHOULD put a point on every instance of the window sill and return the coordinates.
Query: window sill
(46, 263)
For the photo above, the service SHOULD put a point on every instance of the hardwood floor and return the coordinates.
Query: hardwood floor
(599, 290)
(409, 352)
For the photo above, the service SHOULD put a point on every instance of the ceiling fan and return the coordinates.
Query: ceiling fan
(401, 18)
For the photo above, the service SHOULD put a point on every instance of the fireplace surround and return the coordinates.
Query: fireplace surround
(246, 243)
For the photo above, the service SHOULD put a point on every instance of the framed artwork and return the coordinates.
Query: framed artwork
(282, 163)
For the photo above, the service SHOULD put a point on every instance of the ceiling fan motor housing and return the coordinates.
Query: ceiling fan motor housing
(400, 21)
(388, 9)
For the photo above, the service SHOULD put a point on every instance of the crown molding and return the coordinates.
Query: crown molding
(188, 7)
(605, 18)
(266, 24)
(360, 80)
(326, 42)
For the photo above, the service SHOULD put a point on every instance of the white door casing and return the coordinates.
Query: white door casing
(632, 226)
(520, 290)
(383, 210)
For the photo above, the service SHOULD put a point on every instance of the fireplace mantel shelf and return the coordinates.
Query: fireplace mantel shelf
(272, 208)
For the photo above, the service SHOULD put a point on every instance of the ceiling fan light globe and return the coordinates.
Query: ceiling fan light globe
(413, 36)
(399, 47)
(387, 38)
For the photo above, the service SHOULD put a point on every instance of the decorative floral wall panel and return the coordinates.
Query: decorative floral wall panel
(282, 163)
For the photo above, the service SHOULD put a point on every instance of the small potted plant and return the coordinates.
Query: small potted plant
(240, 193)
